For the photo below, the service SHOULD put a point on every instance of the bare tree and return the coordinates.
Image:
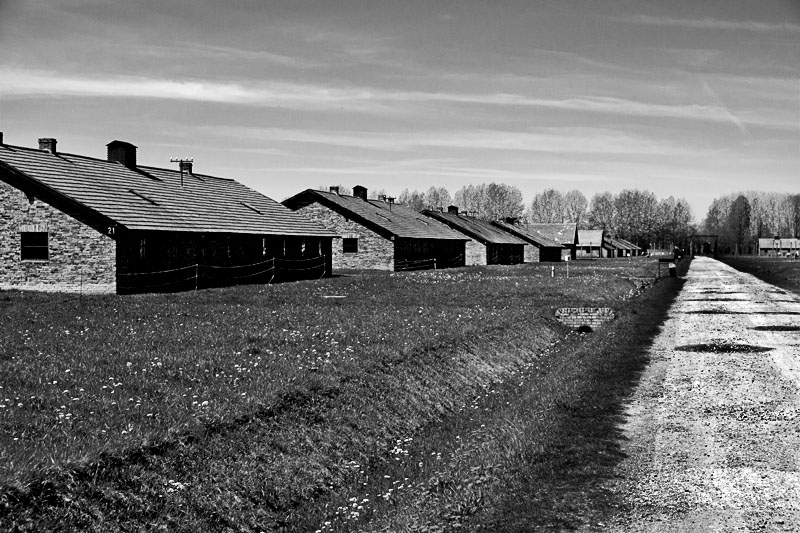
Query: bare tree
(437, 197)
(794, 204)
(548, 206)
(717, 216)
(492, 201)
(683, 217)
(635, 214)
(377, 194)
(415, 199)
(602, 212)
(672, 222)
(574, 206)
(738, 223)
(770, 214)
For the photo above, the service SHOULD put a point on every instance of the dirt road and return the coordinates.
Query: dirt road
(713, 428)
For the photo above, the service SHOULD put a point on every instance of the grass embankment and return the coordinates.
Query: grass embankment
(781, 272)
(385, 400)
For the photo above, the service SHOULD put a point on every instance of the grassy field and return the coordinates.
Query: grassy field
(419, 401)
(780, 271)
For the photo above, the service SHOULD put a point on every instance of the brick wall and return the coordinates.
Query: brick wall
(81, 258)
(475, 253)
(374, 251)
(576, 317)
(531, 254)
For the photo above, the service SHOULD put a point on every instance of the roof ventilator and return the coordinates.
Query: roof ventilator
(360, 192)
(48, 144)
(122, 152)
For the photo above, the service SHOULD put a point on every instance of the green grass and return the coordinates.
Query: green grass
(264, 407)
(782, 272)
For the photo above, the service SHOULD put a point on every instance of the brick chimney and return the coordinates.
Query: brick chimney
(1, 137)
(334, 189)
(452, 209)
(122, 152)
(48, 143)
(360, 192)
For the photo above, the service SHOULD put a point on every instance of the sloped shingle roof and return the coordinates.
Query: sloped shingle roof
(590, 237)
(389, 220)
(524, 233)
(563, 233)
(622, 244)
(150, 198)
(480, 230)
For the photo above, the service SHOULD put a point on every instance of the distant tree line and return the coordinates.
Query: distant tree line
(641, 218)
(487, 201)
(635, 215)
(741, 218)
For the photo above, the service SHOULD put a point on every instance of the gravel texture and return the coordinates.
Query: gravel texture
(713, 432)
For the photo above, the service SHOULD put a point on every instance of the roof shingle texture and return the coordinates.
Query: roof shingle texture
(150, 198)
(388, 219)
(475, 228)
(524, 232)
(622, 244)
(592, 237)
(563, 233)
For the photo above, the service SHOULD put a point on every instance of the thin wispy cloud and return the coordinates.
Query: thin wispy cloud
(200, 51)
(25, 83)
(721, 105)
(713, 24)
(553, 140)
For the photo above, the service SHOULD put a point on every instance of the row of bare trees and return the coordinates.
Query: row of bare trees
(640, 217)
(634, 215)
(487, 201)
(742, 218)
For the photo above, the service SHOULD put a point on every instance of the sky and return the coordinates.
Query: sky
(694, 99)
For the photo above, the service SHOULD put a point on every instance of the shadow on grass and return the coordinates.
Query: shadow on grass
(781, 272)
(561, 485)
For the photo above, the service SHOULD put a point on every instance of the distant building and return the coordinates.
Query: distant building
(778, 247)
(623, 248)
(565, 233)
(593, 243)
(70, 222)
(487, 244)
(380, 234)
(538, 248)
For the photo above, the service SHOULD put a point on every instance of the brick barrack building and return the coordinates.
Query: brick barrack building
(544, 242)
(487, 244)
(379, 234)
(70, 222)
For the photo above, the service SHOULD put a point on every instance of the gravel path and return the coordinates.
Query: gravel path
(713, 431)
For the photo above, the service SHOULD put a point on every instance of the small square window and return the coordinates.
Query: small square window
(350, 245)
(34, 246)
